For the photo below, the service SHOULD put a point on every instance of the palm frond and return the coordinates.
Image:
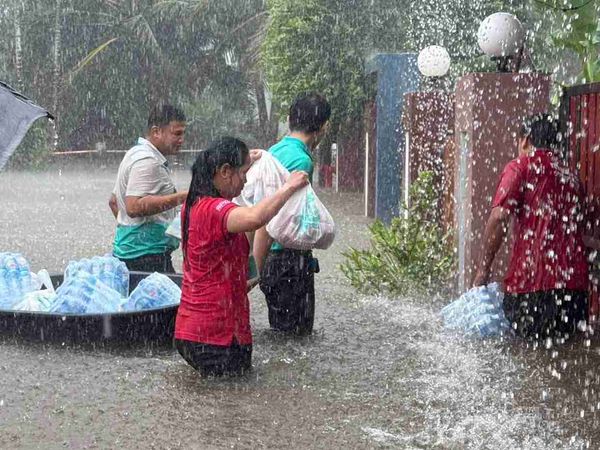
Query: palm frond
(89, 58)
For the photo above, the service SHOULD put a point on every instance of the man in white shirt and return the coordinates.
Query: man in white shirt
(144, 197)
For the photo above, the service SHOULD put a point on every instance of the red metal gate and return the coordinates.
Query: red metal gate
(580, 121)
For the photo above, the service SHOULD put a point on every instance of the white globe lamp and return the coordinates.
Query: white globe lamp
(501, 36)
(433, 61)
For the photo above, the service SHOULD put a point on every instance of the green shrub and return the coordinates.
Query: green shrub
(411, 254)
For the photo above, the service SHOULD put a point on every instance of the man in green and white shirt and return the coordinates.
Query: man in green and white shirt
(287, 275)
(144, 198)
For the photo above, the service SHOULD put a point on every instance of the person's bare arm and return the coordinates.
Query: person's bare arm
(112, 204)
(493, 236)
(243, 219)
(262, 244)
(153, 204)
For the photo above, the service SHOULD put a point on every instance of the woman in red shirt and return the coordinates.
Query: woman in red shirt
(212, 329)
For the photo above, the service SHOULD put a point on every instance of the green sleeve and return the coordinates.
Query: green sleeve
(302, 163)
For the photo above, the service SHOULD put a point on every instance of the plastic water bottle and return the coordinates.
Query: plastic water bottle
(102, 298)
(96, 266)
(310, 217)
(25, 284)
(12, 277)
(122, 275)
(107, 273)
(72, 269)
(4, 292)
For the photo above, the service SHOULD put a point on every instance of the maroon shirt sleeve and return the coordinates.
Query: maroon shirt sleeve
(509, 194)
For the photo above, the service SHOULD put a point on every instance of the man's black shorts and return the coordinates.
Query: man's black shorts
(161, 263)
(288, 282)
(543, 314)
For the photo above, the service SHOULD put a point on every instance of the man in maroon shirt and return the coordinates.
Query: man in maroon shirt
(547, 278)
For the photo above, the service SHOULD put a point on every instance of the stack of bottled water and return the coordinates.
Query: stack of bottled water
(86, 293)
(477, 312)
(15, 279)
(108, 269)
(91, 286)
(154, 291)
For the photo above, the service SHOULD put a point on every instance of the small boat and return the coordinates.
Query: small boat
(153, 326)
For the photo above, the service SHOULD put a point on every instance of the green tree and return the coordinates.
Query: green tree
(99, 65)
(322, 45)
(575, 26)
(318, 45)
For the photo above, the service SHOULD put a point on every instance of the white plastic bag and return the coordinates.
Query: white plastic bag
(36, 301)
(303, 223)
(40, 299)
(174, 228)
(265, 177)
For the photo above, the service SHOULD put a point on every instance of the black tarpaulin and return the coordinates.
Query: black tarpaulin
(17, 114)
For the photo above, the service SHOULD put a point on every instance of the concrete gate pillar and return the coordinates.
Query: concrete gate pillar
(428, 125)
(490, 108)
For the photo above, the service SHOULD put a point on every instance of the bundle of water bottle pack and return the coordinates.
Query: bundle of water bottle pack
(91, 286)
(478, 312)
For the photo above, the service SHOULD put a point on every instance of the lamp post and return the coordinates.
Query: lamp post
(433, 61)
(501, 37)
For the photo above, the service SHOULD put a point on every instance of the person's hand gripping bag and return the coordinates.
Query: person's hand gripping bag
(264, 178)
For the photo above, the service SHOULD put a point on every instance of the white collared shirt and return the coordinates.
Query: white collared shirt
(143, 171)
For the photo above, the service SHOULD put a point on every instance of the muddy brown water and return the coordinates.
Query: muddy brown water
(377, 373)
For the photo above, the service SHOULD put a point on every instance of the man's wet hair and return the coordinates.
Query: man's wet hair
(542, 130)
(162, 115)
(309, 112)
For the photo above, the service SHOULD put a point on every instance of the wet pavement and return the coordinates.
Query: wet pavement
(377, 373)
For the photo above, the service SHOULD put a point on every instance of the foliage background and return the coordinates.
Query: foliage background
(235, 65)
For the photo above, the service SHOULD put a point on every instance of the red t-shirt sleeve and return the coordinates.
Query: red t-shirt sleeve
(509, 194)
(218, 211)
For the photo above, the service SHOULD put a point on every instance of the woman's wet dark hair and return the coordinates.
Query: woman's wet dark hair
(225, 150)
(542, 131)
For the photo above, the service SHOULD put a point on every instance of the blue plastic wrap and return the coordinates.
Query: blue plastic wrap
(478, 312)
(156, 290)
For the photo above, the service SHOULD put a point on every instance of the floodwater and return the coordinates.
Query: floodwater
(377, 373)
